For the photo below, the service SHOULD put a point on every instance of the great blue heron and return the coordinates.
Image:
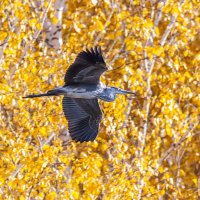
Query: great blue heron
(81, 92)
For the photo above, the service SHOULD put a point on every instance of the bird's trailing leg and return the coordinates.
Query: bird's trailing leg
(54, 92)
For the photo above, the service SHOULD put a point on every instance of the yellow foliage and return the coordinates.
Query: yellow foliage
(147, 147)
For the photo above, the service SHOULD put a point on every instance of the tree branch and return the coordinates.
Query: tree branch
(35, 35)
(170, 26)
(54, 32)
(105, 26)
(174, 147)
(149, 65)
(20, 166)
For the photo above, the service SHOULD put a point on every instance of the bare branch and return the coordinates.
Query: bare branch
(54, 32)
(175, 146)
(105, 26)
(17, 170)
(199, 187)
(5, 43)
(149, 65)
(169, 27)
(48, 140)
(129, 63)
(127, 113)
(37, 32)
(20, 166)
(111, 46)
(178, 160)
(35, 35)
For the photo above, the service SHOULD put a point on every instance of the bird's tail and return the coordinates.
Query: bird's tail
(54, 92)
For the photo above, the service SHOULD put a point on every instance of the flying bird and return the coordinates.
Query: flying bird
(81, 92)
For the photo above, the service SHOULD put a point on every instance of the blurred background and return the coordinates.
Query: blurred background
(148, 147)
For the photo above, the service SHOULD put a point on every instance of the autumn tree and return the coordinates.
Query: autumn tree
(147, 147)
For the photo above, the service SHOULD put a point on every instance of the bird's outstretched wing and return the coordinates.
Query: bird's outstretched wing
(84, 116)
(87, 67)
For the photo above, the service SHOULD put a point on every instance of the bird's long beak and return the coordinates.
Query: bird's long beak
(120, 91)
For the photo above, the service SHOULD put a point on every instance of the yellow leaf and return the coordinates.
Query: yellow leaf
(32, 22)
(148, 23)
(195, 180)
(77, 27)
(130, 43)
(38, 26)
(46, 4)
(158, 50)
(3, 35)
(21, 198)
(75, 194)
(175, 10)
(99, 26)
(54, 20)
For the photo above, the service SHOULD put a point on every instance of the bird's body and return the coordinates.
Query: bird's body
(81, 92)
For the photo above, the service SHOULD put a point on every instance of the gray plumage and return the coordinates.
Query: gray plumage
(81, 92)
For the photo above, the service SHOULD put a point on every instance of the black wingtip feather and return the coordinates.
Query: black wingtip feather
(89, 58)
(93, 55)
